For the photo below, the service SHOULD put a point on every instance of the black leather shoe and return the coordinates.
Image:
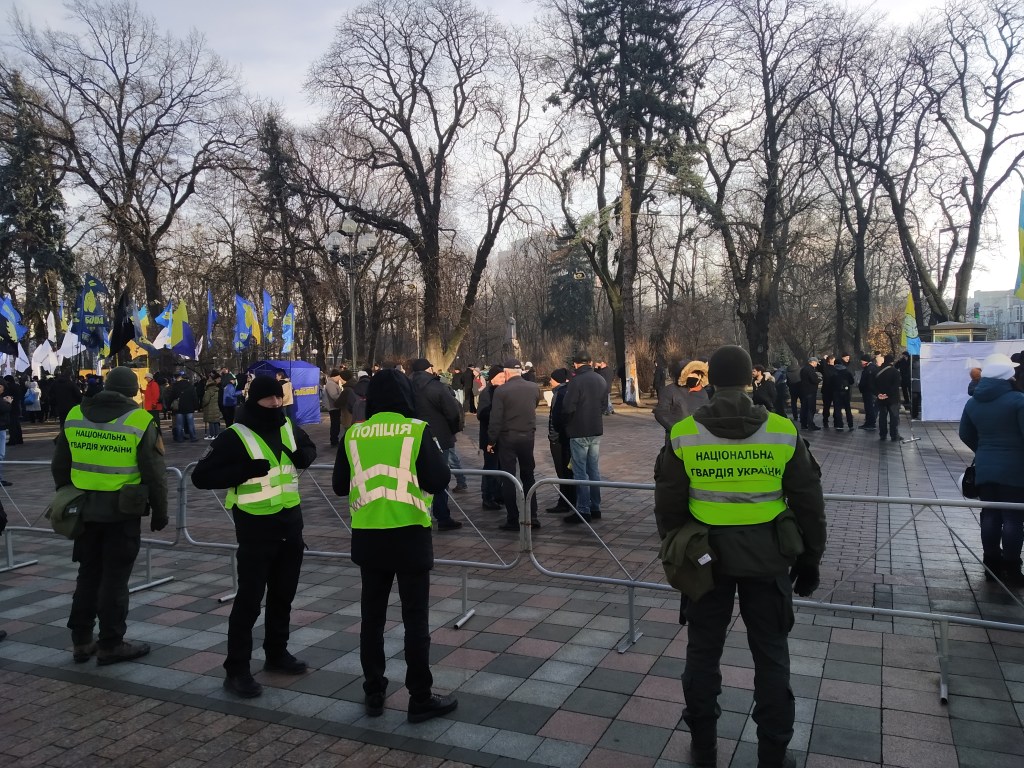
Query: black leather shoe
(558, 509)
(449, 525)
(374, 704)
(286, 665)
(704, 757)
(493, 505)
(83, 652)
(6, 483)
(509, 527)
(242, 686)
(595, 514)
(435, 706)
(122, 652)
(575, 518)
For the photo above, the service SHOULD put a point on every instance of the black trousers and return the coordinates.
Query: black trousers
(14, 436)
(808, 406)
(841, 403)
(766, 606)
(269, 558)
(827, 400)
(889, 417)
(228, 412)
(105, 553)
(469, 400)
(335, 414)
(490, 486)
(516, 448)
(561, 455)
(795, 400)
(414, 593)
(870, 410)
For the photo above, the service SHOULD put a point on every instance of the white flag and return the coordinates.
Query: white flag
(163, 339)
(51, 329)
(23, 362)
(69, 347)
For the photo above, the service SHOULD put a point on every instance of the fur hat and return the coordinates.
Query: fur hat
(730, 366)
(694, 369)
(264, 386)
(997, 366)
(122, 380)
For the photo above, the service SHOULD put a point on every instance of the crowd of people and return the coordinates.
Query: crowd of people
(738, 497)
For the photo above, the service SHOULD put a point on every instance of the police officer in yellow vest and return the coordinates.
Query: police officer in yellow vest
(257, 459)
(111, 449)
(389, 466)
(743, 476)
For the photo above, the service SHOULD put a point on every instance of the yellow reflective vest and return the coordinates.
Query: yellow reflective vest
(104, 455)
(384, 489)
(279, 488)
(735, 482)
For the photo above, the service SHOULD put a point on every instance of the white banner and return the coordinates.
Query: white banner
(945, 374)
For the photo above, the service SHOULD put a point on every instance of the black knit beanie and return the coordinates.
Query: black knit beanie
(390, 391)
(730, 366)
(264, 386)
(123, 380)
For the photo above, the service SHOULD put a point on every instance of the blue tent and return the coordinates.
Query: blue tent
(305, 378)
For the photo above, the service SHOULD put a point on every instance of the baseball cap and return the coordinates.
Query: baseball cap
(511, 363)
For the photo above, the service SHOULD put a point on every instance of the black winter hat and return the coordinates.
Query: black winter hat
(730, 366)
(264, 386)
(390, 391)
(561, 375)
(420, 364)
(123, 380)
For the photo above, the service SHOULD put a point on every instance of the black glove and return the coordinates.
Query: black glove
(805, 579)
(257, 468)
(157, 523)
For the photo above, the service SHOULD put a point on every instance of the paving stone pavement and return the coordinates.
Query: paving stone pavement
(536, 669)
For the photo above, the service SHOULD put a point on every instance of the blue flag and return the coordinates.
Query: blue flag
(211, 318)
(91, 321)
(247, 326)
(288, 330)
(14, 316)
(183, 342)
(165, 318)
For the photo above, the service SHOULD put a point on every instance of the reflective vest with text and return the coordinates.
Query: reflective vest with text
(735, 482)
(279, 488)
(104, 455)
(384, 489)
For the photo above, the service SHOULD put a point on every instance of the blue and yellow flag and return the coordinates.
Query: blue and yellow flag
(247, 325)
(91, 322)
(910, 339)
(288, 330)
(183, 342)
(165, 318)
(211, 318)
(268, 318)
(1019, 290)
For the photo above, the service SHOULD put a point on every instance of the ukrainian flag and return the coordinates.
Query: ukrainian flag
(1019, 291)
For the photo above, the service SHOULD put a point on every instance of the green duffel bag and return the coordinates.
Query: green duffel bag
(64, 512)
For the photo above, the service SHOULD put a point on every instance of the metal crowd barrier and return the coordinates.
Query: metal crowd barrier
(33, 527)
(453, 501)
(934, 505)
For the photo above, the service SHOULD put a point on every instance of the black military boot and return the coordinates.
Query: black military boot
(704, 746)
(994, 566)
(773, 755)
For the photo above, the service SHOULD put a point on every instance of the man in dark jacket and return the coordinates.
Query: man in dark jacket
(185, 403)
(391, 536)
(842, 387)
(582, 413)
(468, 385)
(436, 405)
(257, 459)
(16, 390)
(65, 395)
(120, 489)
(765, 526)
(866, 385)
(809, 381)
(887, 389)
(510, 433)
(561, 455)
(826, 369)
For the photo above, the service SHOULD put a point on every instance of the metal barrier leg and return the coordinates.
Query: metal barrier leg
(234, 580)
(944, 662)
(633, 635)
(9, 548)
(150, 583)
(467, 612)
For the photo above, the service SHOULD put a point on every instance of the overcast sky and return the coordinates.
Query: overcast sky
(273, 42)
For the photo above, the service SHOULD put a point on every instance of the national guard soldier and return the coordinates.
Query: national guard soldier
(389, 466)
(257, 459)
(111, 449)
(738, 501)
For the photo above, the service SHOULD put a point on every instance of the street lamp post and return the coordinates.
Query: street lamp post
(362, 246)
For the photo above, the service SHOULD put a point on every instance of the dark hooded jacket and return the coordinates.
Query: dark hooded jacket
(750, 551)
(992, 425)
(103, 506)
(411, 547)
(436, 405)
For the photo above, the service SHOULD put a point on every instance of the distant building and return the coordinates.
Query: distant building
(1001, 311)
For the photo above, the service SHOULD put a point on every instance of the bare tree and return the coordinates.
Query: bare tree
(972, 66)
(434, 97)
(139, 117)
